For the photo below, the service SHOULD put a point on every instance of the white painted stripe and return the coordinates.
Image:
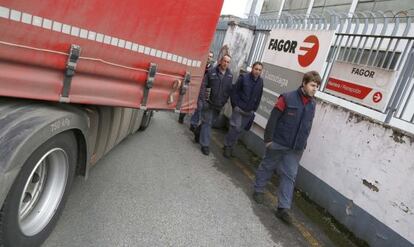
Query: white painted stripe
(74, 31)
(141, 49)
(158, 53)
(56, 26)
(270, 92)
(100, 37)
(114, 41)
(4, 12)
(65, 29)
(47, 24)
(27, 18)
(128, 45)
(91, 35)
(107, 39)
(121, 43)
(83, 34)
(15, 15)
(37, 21)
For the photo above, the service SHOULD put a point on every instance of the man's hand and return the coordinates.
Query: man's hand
(267, 144)
(208, 92)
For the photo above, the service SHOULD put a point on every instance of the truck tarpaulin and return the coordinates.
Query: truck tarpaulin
(113, 45)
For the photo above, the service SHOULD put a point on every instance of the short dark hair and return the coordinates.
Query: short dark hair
(312, 76)
(225, 55)
(257, 63)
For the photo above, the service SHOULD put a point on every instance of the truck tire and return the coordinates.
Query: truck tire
(146, 120)
(37, 196)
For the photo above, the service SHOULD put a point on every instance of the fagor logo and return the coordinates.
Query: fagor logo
(309, 48)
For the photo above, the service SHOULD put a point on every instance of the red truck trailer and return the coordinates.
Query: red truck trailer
(76, 78)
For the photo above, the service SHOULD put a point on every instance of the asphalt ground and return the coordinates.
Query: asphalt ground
(157, 189)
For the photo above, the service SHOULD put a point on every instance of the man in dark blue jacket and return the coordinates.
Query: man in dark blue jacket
(195, 118)
(245, 99)
(216, 90)
(285, 138)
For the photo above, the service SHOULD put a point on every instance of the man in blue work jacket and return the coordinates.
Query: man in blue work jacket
(195, 118)
(285, 138)
(245, 99)
(217, 86)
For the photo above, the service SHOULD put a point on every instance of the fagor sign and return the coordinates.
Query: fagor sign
(297, 49)
(289, 46)
(361, 84)
(288, 54)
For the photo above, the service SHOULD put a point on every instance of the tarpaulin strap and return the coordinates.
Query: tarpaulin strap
(176, 86)
(150, 83)
(183, 90)
(73, 58)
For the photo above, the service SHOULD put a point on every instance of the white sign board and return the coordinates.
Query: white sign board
(298, 50)
(365, 85)
(288, 54)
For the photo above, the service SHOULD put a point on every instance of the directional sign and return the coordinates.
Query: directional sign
(377, 97)
(365, 85)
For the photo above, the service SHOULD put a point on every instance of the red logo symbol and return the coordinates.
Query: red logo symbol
(377, 97)
(306, 59)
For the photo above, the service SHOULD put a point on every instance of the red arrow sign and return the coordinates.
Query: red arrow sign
(377, 97)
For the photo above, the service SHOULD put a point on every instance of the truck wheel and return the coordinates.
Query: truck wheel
(37, 196)
(146, 120)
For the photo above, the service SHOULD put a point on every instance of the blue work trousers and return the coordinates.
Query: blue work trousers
(195, 118)
(208, 117)
(238, 121)
(285, 162)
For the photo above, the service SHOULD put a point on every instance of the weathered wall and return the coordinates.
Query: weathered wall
(239, 38)
(360, 171)
(371, 165)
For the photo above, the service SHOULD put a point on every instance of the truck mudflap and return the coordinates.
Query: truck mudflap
(25, 125)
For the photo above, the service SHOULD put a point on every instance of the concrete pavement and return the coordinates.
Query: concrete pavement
(157, 189)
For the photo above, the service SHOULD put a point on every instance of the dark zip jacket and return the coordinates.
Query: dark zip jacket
(291, 128)
(247, 92)
(220, 88)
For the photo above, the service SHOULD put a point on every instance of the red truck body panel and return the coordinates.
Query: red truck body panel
(119, 40)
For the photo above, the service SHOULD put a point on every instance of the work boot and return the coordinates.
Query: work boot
(192, 128)
(197, 134)
(228, 151)
(283, 214)
(258, 197)
(181, 118)
(205, 150)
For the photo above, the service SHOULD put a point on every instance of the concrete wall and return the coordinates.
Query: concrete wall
(371, 165)
(361, 172)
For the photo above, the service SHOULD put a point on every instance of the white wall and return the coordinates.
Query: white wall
(344, 149)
